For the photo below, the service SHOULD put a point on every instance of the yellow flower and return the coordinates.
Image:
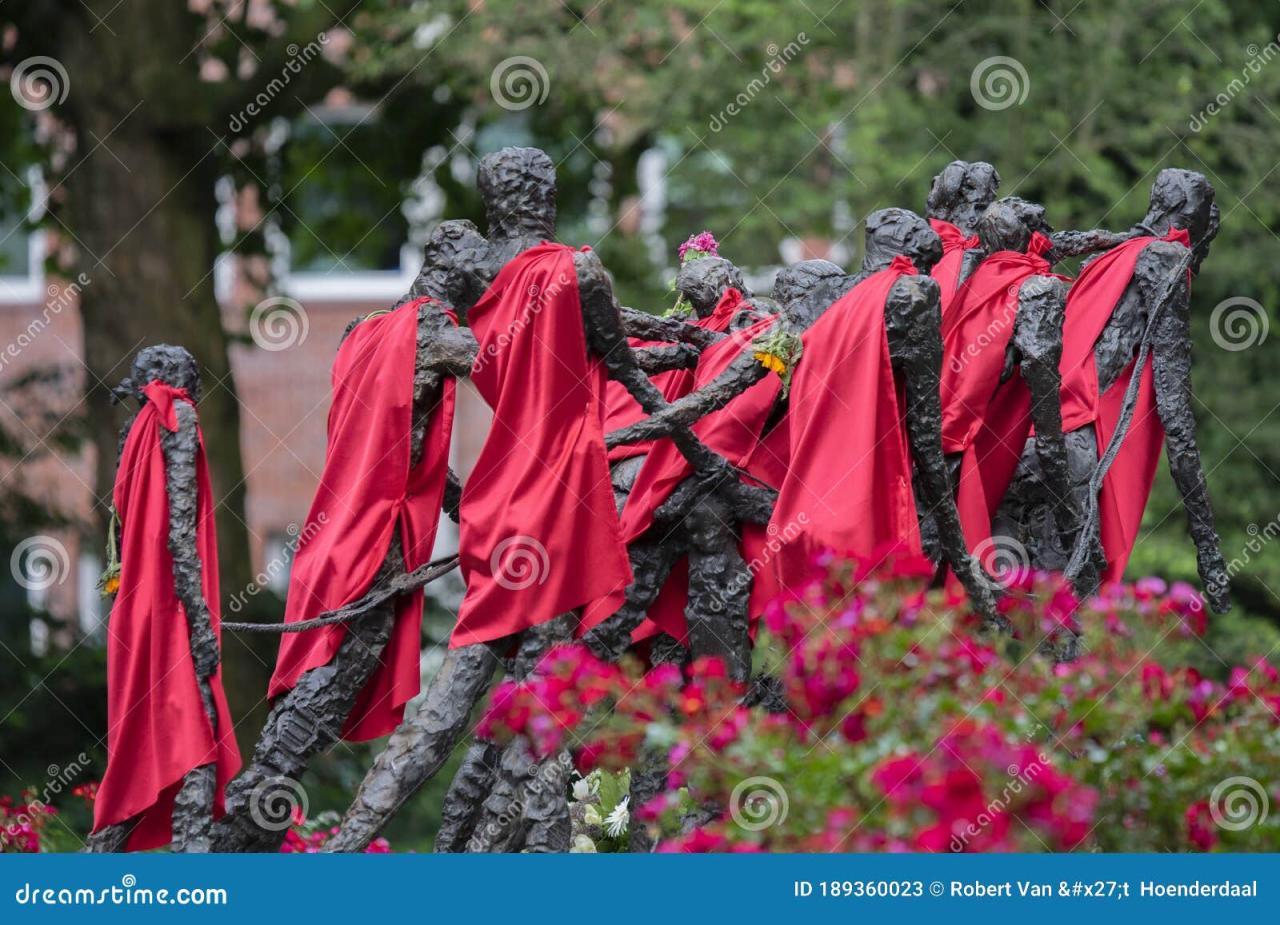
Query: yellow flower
(111, 585)
(772, 362)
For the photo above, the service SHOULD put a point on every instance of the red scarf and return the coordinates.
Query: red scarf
(947, 270)
(1127, 484)
(986, 421)
(848, 485)
(621, 408)
(540, 534)
(157, 729)
(366, 492)
(732, 431)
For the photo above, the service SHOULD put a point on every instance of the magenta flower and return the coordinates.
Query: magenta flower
(699, 245)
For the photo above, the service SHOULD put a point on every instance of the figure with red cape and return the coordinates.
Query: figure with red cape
(957, 198)
(372, 523)
(541, 546)
(1001, 345)
(865, 459)
(171, 746)
(1126, 392)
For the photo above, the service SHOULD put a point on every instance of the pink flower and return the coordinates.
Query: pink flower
(703, 244)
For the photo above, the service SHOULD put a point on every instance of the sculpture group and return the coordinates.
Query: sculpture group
(648, 483)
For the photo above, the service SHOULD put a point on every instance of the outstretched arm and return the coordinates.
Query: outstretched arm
(1171, 347)
(913, 315)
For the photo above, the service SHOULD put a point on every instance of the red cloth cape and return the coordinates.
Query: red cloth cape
(157, 729)
(1127, 484)
(621, 408)
(366, 492)
(540, 534)
(986, 421)
(848, 484)
(947, 270)
(732, 431)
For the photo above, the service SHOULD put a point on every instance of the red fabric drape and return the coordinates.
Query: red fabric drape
(733, 431)
(848, 484)
(621, 408)
(367, 491)
(1127, 485)
(540, 534)
(157, 729)
(986, 421)
(947, 270)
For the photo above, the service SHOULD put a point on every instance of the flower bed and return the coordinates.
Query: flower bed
(908, 726)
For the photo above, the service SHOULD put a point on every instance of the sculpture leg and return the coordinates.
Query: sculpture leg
(419, 747)
(460, 809)
(719, 588)
(304, 722)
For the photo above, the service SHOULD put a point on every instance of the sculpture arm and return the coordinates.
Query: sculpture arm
(672, 330)
(667, 356)
(1171, 349)
(180, 449)
(1080, 243)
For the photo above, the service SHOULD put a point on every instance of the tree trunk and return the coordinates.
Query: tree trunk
(141, 206)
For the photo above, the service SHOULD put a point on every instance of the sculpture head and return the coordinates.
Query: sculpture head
(894, 232)
(518, 186)
(704, 280)
(171, 365)
(1007, 224)
(457, 266)
(806, 289)
(1184, 199)
(962, 192)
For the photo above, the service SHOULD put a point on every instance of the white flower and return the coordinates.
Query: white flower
(582, 789)
(582, 845)
(591, 816)
(616, 822)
